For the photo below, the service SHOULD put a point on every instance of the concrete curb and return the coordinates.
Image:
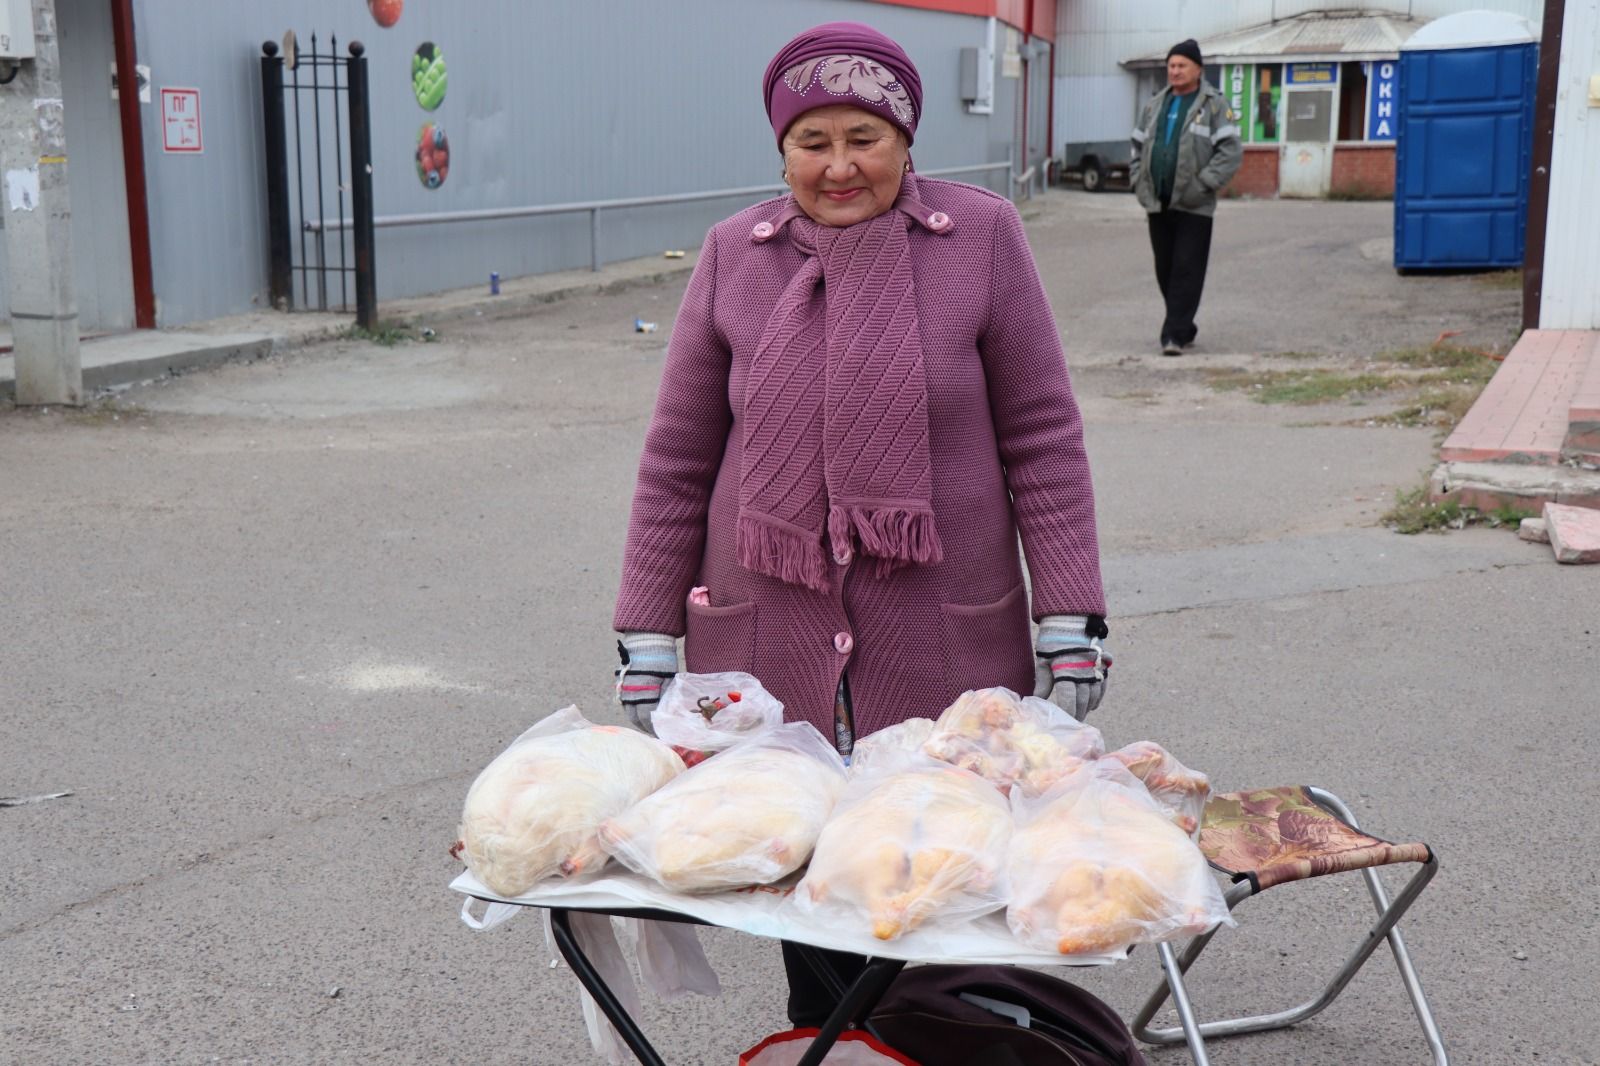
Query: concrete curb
(1487, 486)
(134, 358)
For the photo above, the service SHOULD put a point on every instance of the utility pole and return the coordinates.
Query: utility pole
(38, 217)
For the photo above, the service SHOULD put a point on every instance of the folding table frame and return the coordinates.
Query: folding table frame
(857, 998)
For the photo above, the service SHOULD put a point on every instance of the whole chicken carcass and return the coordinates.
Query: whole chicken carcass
(1011, 741)
(534, 811)
(905, 845)
(1096, 866)
(1180, 791)
(747, 816)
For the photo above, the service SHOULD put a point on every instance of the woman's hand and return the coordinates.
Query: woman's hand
(648, 660)
(1072, 668)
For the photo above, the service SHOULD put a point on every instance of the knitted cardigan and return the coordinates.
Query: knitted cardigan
(1007, 455)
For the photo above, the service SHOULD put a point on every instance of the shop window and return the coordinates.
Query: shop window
(1352, 101)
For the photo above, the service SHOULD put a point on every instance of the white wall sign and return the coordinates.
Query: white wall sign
(180, 121)
(143, 73)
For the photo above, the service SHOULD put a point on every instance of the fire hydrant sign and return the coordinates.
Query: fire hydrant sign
(180, 121)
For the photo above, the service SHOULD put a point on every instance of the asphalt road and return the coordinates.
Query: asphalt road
(268, 621)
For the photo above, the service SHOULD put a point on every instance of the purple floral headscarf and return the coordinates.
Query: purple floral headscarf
(843, 63)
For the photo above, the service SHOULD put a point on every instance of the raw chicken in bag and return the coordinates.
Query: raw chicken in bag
(747, 816)
(912, 841)
(535, 810)
(1178, 790)
(1096, 865)
(1011, 740)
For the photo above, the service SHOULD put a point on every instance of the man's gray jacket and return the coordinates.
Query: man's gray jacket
(1209, 151)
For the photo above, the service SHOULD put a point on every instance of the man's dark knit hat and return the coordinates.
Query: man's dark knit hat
(1189, 49)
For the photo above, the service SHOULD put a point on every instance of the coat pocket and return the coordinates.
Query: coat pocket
(988, 644)
(719, 639)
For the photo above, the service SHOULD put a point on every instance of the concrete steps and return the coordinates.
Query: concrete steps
(1533, 437)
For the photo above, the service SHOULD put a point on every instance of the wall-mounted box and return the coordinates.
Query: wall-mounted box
(977, 79)
(16, 29)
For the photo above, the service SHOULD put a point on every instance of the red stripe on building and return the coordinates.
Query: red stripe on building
(1034, 17)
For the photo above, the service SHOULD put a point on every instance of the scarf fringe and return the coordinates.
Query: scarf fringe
(781, 553)
(892, 533)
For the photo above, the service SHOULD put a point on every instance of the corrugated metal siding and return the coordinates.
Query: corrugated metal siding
(1094, 36)
(546, 103)
(1570, 298)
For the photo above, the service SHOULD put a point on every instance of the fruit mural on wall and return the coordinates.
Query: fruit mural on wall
(385, 12)
(433, 155)
(428, 77)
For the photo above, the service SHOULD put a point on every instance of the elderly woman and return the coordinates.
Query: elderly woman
(865, 403)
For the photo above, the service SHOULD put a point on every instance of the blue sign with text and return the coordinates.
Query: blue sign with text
(1383, 90)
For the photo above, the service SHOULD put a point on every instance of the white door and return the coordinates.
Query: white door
(1305, 162)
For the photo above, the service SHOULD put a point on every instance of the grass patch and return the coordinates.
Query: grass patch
(1440, 408)
(1304, 387)
(387, 334)
(1441, 355)
(1501, 279)
(1414, 513)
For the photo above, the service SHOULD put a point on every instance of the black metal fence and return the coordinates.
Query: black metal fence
(317, 154)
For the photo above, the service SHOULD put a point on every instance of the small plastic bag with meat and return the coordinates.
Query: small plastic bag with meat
(535, 810)
(1096, 866)
(1178, 790)
(913, 841)
(1012, 741)
(747, 816)
(700, 714)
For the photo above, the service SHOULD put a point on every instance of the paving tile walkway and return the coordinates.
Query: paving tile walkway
(1524, 412)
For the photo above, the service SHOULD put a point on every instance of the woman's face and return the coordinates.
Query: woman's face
(843, 164)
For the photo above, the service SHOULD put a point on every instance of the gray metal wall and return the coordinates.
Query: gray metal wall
(547, 102)
(1096, 99)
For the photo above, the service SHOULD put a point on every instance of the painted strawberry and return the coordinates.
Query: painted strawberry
(385, 12)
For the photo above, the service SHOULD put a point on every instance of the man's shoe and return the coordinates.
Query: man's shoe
(1171, 347)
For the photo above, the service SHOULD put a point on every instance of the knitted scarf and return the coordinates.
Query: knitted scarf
(836, 412)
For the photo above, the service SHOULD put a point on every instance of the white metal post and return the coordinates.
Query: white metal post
(38, 222)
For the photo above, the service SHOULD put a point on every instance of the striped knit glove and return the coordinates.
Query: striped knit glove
(1073, 665)
(648, 660)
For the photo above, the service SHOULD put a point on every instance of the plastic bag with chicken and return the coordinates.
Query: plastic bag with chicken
(1012, 741)
(535, 810)
(1096, 866)
(747, 816)
(913, 841)
(1178, 790)
(903, 738)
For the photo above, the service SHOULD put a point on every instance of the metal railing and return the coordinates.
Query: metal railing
(594, 207)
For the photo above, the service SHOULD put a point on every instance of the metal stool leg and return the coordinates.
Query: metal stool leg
(1397, 944)
(1389, 913)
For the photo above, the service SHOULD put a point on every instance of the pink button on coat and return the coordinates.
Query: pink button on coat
(1007, 454)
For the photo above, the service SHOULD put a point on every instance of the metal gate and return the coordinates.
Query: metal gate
(316, 151)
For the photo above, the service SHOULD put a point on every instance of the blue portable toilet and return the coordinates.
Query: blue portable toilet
(1464, 141)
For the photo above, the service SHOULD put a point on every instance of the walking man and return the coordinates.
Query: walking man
(1185, 148)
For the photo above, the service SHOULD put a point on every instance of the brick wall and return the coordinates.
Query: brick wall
(1258, 174)
(1363, 170)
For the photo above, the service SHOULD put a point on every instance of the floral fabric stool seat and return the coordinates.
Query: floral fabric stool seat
(1276, 836)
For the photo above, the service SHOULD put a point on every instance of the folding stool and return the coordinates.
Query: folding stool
(1274, 836)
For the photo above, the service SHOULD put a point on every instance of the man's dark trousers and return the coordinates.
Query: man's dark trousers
(1182, 244)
